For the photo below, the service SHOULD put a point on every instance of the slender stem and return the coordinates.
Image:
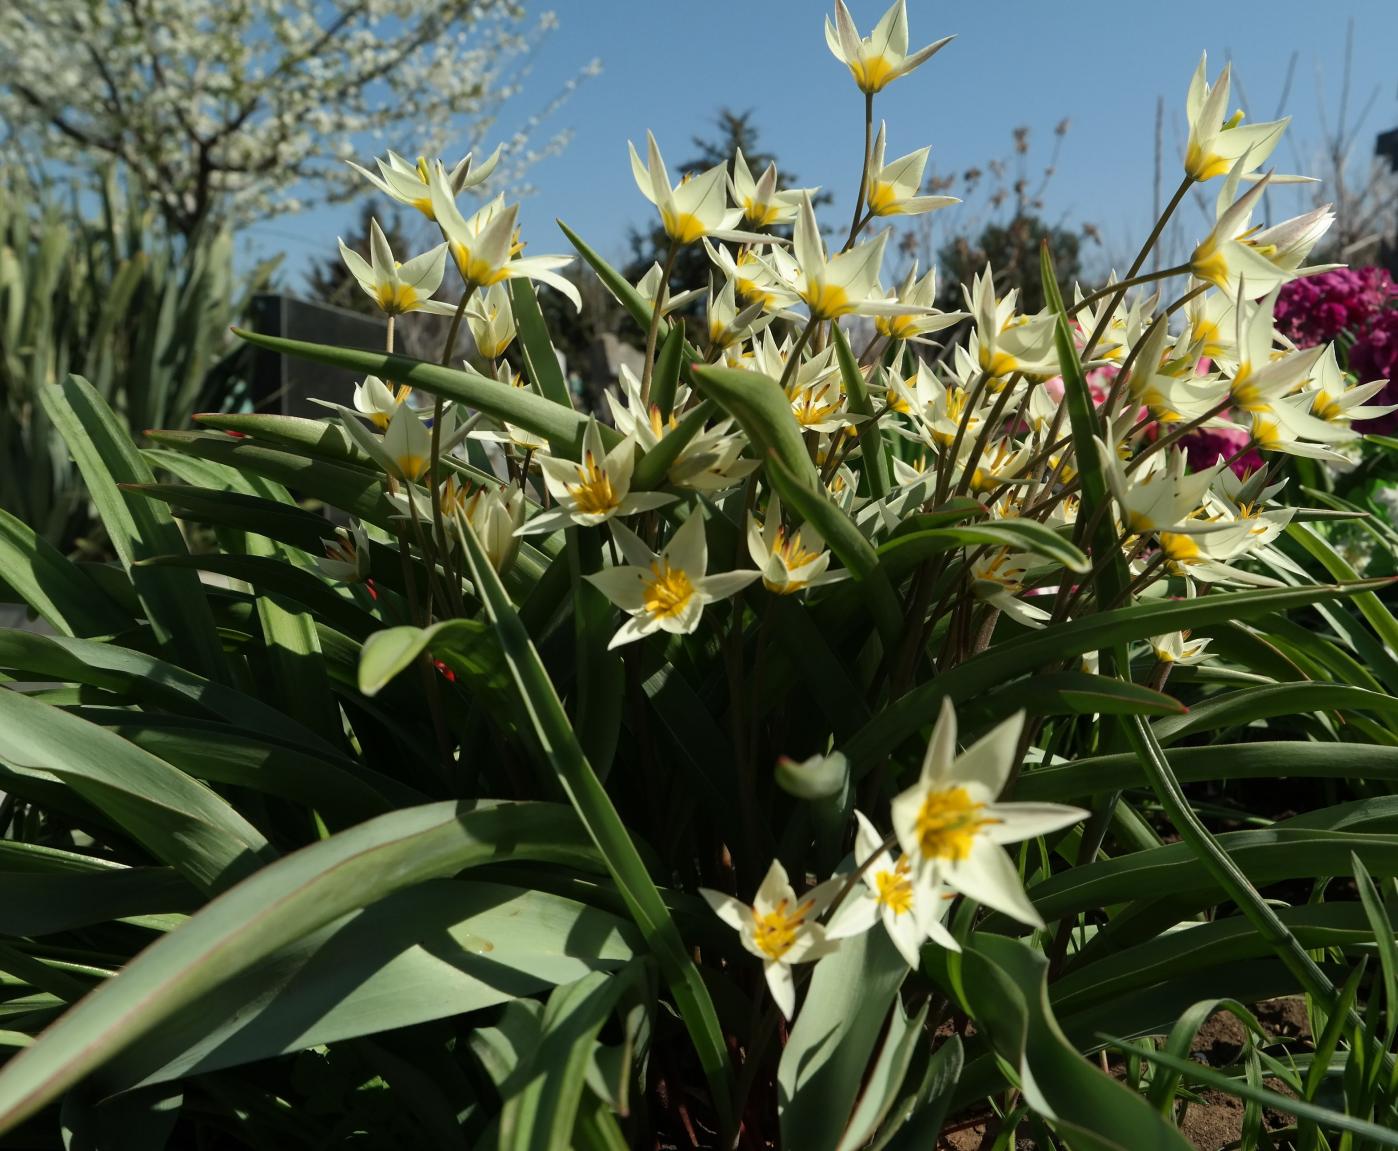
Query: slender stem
(662, 293)
(863, 170)
(997, 411)
(793, 359)
(948, 462)
(1179, 433)
(1122, 285)
(439, 529)
(1137, 263)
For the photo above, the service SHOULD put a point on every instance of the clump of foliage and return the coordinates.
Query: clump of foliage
(835, 750)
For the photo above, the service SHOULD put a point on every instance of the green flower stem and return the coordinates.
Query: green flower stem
(662, 293)
(1137, 263)
(856, 222)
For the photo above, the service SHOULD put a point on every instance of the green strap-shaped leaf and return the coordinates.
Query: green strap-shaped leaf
(52, 585)
(840, 1022)
(281, 903)
(599, 816)
(562, 426)
(625, 292)
(847, 542)
(540, 361)
(1021, 535)
(1024, 655)
(876, 466)
(666, 377)
(764, 413)
(1005, 989)
(542, 1094)
(1286, 1104)
(173, 600)
(177, 819)
(1062, 782)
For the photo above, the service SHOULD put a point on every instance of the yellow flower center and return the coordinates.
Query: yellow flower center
(997, 363)
(668, 591)
(896, 327)
(775, 932)
(395, 299)
(1210, 265)
(827, 301)
(895, 888)
(815, 405)
(872, 74)
(684, 227)
(593, 494)
(948, 823)
(883, 198)
(476, 270)
(1325, 408)
(412, 465)
(1178, 547)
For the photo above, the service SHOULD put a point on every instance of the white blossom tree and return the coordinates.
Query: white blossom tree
(246, 108)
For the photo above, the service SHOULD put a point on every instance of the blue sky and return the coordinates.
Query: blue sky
(669, 66)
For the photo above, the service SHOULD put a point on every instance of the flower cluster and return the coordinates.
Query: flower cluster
(949, 828)
(821, 423)
(1358, 306)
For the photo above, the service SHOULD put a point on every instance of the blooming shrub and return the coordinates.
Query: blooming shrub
(1358, 307)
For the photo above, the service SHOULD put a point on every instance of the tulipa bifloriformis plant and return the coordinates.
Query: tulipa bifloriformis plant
(828, 749)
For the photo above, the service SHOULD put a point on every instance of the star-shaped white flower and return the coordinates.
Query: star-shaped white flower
(886, 893)
(951, 824)
(594, 489)
(665, 591)
(779, 928)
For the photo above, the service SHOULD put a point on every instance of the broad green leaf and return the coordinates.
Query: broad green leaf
(1021, 535)
(540, 361)
(1240, 708)
(273, 908)
(666, 377)
(558, 423)
(876, 466)
(434, 950)
(654, 466)
(1265, 856)
(845, 541)
(599, 816)
(836, 1030)
(1005, 989)
(1196, 1072)
(1027, 654)
(1077, 693)
(1373, 609)
(287, 523)
(152, 680)
(323, 439)
(763, 412)
(917, 1122)
(600, 680)
(1061, 782)
(54, 587)
(885, 1078)
(173, 600)
(352, 489)
(542, 1094)
(340, 789)
(1082, 418)
(180, 821)
(625, 292)
(33, 905)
